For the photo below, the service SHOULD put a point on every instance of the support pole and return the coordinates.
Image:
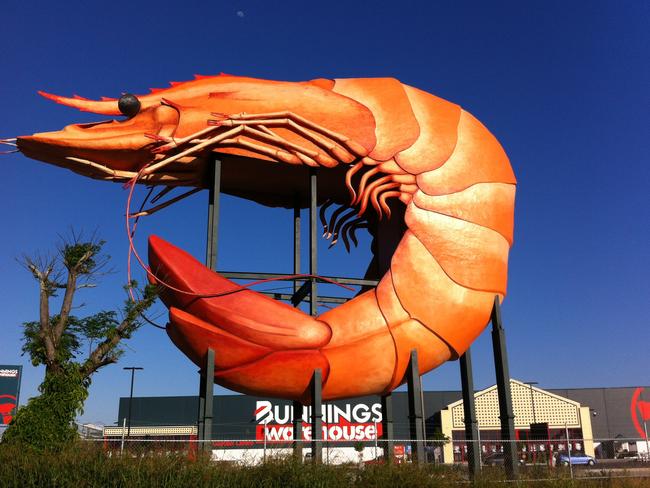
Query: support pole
(214, 192)
(313, 240)
(317, 417)
(387, 427)
(208, 402)
(206, 374)
(503, 388)
(296, 242)
(415, 409)
(297, 406)
(201, 413)
(469, 409)
(297, 430)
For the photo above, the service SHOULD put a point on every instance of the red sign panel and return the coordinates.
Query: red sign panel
(640, 412)
(10, 376)
(351, 422)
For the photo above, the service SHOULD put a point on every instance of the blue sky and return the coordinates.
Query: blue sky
(563, 85)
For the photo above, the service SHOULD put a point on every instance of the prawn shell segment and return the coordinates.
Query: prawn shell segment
(471, 255)
(408, 334)
(477, 158)
(438, 120)
(490, 205)
(454, 313)
(396, 126)
(361, 352)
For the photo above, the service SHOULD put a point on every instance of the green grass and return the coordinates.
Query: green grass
(85, 465)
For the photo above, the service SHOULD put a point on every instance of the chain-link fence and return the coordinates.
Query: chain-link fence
(540, 458)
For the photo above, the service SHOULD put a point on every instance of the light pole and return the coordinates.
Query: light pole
(133, 369)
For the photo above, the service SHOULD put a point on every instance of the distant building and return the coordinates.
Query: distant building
(600, 421)
(530, 405)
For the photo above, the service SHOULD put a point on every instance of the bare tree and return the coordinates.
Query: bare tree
(57, 340)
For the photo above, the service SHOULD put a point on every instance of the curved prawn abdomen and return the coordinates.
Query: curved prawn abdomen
(453, 258)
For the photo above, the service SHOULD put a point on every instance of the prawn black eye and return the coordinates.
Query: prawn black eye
(129, 105)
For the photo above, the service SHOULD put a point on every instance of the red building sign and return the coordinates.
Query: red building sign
(10, 376)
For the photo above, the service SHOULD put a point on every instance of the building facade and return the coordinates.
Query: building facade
(565, 422)
(599, 421)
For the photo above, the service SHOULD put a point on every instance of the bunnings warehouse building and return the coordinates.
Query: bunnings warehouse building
(602, 422)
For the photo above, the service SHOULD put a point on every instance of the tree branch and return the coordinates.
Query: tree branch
(104, 352)
(41, 270)
(101, 355)
(66, 306)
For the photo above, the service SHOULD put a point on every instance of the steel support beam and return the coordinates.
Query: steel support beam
(201, 413)
(317, 416)
(214, 192)
(469, 409)
(300, 294)
(297, 406)
(297, 430)
(503, 389)
(296, 242)
(387, 426)
(208, 402)
(415, 409)
(245, 275)
(206, 374)
(313, 240)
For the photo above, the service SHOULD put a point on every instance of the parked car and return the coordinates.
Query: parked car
(628, 456)
(497, 459)
(576, 458)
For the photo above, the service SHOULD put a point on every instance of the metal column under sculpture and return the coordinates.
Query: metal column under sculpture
(297, 429)
(387, 427)
(206, 374)
(469, 409)
(415, 409)
(297, 406)
(503, 388)
(313, 241)
(317, 416)
(206, 400)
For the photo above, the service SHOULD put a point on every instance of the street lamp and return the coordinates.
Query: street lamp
(532, 397)
(133, 369)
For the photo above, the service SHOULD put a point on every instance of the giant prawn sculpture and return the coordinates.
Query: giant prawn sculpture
(445, 237)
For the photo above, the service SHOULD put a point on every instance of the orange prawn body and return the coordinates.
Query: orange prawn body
(396, 144)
